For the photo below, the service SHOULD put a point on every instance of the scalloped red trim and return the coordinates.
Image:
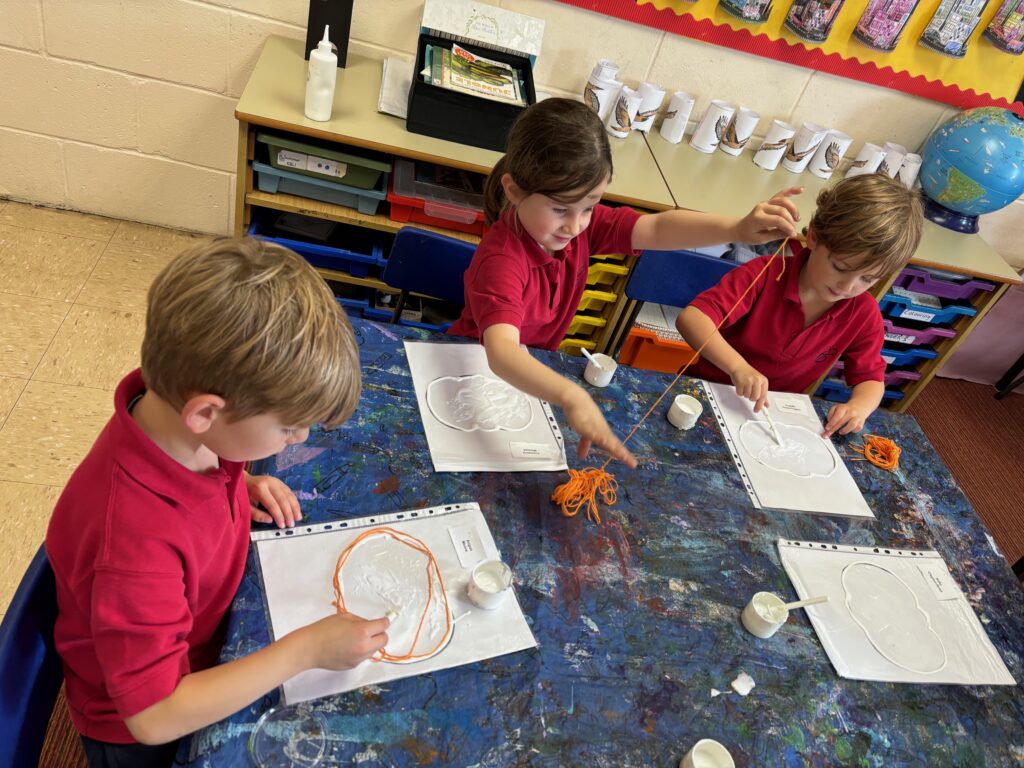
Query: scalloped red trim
(794, 53)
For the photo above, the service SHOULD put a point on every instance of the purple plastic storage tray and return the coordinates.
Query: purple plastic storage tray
(925, 282)
(905, 335)
(892, 378)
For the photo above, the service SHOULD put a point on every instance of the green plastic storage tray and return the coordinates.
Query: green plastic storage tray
(322, 163)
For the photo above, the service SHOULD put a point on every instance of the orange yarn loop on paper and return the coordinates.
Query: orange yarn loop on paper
(584, 485)
(432, 569)
(880, 451)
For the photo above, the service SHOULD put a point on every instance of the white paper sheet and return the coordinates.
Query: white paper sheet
(804, 475)
(298, 567)
(473, 420)
(892, 615)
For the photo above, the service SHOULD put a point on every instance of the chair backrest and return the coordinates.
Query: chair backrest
(674, 277)
(428, 263)
(30, 669)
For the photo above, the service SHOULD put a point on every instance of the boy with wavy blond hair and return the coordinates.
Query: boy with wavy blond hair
(787, 333)
(244, 349)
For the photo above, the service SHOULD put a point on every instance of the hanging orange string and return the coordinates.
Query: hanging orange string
(880, 451)
(432, 570)
(583, 486)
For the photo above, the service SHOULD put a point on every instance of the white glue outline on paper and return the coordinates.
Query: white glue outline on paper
(478, 402)
(390, 597)
(781, 458)
(918, 640)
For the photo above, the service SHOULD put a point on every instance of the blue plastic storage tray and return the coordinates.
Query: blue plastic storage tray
(274, 180)
(907, 356)
(900, 306)
(836, 391)
(366, 251)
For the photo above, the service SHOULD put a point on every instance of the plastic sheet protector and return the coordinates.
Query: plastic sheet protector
(892, 615)
(803, 474)
(385, 571)
(475, 421)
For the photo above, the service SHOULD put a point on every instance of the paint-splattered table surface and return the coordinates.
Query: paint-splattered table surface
(637, 619)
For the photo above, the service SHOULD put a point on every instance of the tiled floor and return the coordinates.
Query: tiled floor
(72, 306)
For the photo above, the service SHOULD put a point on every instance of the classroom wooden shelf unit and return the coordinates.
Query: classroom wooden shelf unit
(650, 175)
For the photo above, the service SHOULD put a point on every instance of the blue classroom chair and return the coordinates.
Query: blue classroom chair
(427, 263)
(669, 277)
(30, 669)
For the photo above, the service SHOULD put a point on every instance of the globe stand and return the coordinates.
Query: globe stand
(940, 214)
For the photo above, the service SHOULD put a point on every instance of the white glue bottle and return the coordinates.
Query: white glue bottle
(320, 77)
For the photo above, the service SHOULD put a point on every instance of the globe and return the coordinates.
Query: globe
(972, 164)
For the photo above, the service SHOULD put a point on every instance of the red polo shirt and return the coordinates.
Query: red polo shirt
(148, 556)
(767, 328)
(513, 280)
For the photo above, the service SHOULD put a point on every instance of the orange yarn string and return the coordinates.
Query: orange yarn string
(419, 546)
(880, 451)
(583, 485)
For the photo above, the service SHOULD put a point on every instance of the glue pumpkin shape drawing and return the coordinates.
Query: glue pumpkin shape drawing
(887, 610)
(477, 402)
(803, 454)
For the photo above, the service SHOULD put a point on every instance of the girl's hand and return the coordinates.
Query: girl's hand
(751, 384)
(279, 505)
(770, 220)
(845, 418)
(586, 420)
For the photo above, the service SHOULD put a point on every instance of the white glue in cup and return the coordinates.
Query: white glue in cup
(489, 583)
(707, 753)
(684, 412)
(600, 375)
(764, 614)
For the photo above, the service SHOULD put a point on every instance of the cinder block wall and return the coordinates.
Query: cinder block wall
(125, 108)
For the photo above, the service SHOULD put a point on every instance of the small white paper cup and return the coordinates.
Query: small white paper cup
(894, 155)
(831, 150)
(673, 127)
(867, 160)
(489, 583)
(684, 412)
(774, 146)
(707, 753)
(651, 97)
(739, 131)
(804, 144)
(711, 128)
(909, 169)
(600, 377)
(764, 614)
(623, 112)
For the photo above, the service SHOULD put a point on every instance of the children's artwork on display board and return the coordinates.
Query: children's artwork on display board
(1006, 31)
(959, 52)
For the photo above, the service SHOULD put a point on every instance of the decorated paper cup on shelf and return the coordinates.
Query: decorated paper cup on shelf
(711, 127)
(599, 373)
(673, 127)
(602, 88)
(909, 169)
(774, 146)
(739, 131)
(867, 160)
(651, 97)
(684, 412)
(829, 153)
(764, 614)
(804, 144)
(894, 154)
(620, 119)
(707, 753)
(489, 583)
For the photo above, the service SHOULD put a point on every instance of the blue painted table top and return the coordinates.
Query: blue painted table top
(638, 618)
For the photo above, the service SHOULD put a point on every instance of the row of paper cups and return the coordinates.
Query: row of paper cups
(809, 147)
(620, 107)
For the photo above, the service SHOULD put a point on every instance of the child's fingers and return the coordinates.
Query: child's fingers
(287, 502)
(268, 514)
(584, 447)
(257, 515)
(610, 443)
(837, 417)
